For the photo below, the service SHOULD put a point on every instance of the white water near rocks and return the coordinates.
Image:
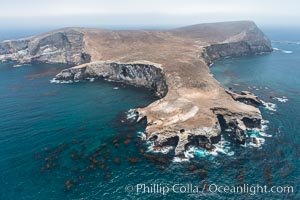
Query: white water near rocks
(269, 106)
(282, 50)
(283, 99)
(60, 81)
(256, 139)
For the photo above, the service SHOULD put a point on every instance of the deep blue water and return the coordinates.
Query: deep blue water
(54, 133)
(271, 76)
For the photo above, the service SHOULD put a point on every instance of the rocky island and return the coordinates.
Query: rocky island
(193, 107)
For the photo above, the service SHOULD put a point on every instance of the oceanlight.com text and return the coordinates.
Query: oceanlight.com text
(164, 189)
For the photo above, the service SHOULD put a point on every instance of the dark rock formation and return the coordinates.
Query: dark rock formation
(246, 97)
(237, 122)
(62, 46)
(141, 73)
(250, 41)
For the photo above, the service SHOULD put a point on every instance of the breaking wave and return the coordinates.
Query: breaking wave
(255, 139)
(90, 79)
(256, 136)
(282, 50)
(131, 114)
(54, 80)
(283, 99)
(222, 147)
(269, 106)
(151, 146)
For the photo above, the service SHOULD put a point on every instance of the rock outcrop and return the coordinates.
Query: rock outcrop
(246, 97)
(193, 107)
(62, 46)
(250, 41)
(140, 73)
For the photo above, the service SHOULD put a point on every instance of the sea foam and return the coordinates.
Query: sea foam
(131, 114)
(163, 150)
(90, 79)
(283, 99)
(269, 106)
(255, 138)
(222, 147)
(151, 145)
(60, 81)
(257, 135)
(282, 50)
(180, 159)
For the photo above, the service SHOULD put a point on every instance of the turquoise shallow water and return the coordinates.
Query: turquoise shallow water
(54, 133)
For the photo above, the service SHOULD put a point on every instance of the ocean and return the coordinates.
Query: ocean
(80, 140)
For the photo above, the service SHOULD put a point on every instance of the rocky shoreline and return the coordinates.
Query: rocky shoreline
(142, 73)
(193, 108)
